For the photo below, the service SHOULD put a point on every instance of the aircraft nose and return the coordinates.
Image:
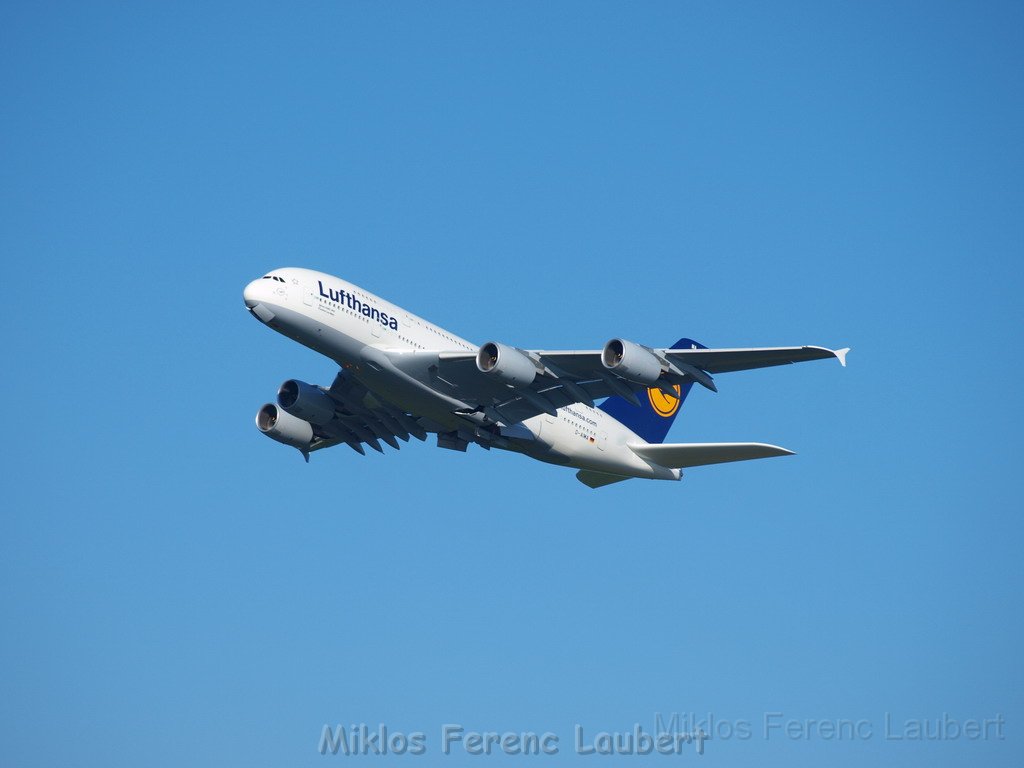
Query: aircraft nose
(250, 293)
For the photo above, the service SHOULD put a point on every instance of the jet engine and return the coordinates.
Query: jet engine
(283, 427)
(506, 364)
(308, 402)
(631, 361)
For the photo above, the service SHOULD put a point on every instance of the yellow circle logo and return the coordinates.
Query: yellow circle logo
(663, 405)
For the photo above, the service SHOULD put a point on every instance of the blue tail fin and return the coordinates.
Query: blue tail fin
(652, 419)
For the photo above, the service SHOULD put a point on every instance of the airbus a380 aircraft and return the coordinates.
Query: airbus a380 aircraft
(401, 375)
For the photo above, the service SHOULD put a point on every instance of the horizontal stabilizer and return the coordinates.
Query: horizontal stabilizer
(679, 455)
(598, 479)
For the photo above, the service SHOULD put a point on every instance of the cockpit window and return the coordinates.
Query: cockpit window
(273, 277)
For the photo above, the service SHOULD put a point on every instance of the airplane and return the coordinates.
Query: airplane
(401, 376)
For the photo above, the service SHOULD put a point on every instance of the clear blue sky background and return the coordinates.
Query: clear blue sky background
(177, 589)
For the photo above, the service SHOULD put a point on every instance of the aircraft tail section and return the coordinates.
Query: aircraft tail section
(657, 410)
(598, 479)
(680, 455)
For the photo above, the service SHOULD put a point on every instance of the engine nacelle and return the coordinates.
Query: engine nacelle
(631, 361)
(283, 427)
(306, 401)
(506, 364)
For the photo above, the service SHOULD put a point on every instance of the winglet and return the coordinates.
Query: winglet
(841, 354)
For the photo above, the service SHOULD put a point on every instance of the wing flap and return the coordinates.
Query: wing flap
(680, 455)
(360, 419)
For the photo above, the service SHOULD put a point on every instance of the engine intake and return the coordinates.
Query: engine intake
(283, 427)
(506, 364)
(631, 361)
(306, 401)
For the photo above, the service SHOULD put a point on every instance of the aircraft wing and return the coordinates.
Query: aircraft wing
(506, 404)
(564, 377)
(360, 419)
(707, 360)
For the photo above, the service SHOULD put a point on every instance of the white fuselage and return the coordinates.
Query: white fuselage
(352, 327)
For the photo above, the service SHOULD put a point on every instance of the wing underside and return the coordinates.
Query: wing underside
(565, 377)
(361, 419)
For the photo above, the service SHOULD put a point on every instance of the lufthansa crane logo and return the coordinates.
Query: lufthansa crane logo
(664, 405)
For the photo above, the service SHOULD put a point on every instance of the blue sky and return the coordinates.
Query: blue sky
(175, 588)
